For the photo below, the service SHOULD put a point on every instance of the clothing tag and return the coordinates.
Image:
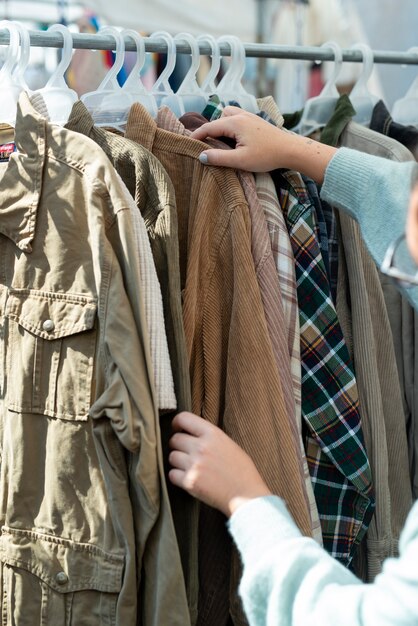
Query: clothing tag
(6, 150)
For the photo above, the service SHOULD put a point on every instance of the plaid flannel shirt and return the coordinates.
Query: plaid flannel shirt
(339, 467)
(214, 107)
(285, 265)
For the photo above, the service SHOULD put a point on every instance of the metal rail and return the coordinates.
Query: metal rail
(106, 42)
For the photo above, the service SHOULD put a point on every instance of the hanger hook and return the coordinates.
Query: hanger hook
(208, 84)
(140, 51)
(19, 71)
(13, 48)
(330, 86)
(195, 52)
(368, 63)
(111, 77)
(57, 78)
(237, 66)
(162, 84)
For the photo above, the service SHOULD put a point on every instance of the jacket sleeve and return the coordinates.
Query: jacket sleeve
(289, 580)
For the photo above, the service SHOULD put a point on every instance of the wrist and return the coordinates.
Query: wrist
(237, 501)
(308, 156)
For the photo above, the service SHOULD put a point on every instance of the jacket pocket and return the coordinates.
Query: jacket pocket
(56, 582)
(51, 345)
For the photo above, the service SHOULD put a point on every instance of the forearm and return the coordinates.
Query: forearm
(305, 155)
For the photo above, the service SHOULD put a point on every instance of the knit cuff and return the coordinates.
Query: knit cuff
(261, 523)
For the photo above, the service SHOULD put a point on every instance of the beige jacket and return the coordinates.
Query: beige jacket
(84, 510)
(153, 192)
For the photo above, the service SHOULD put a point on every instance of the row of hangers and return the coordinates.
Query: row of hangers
(318, 110)
(110, 103)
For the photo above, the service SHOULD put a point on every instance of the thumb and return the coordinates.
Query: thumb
(222, 158)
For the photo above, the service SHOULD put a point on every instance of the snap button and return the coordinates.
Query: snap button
(61, 578)
(48, 326)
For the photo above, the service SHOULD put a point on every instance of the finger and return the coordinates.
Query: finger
(176, 477)
(223, 127)
(230, 111)
(223, 158)
(181, 441)
(179, 460)
(190, 423)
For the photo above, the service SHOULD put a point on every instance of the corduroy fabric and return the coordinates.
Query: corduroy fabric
(267, 219)
(265, 212)
(267, 276)
(234, 378)
(267, 279)
(153, 193)
(270, 288)
(285, 265)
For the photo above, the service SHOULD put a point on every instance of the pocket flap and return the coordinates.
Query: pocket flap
(64, 565)
(51, 315)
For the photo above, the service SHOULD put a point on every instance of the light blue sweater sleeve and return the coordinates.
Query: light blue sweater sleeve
(289, 580)
(375, 192)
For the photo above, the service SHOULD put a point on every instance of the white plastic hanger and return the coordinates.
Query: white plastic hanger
(360, 97)
(133, 88)
(194, 98)
(405, 110)
(56, 94)
(108, 103)
(20, 68)
(162, 90)
(319, 109)
(231, 87)
(10, 86)
(209, 85)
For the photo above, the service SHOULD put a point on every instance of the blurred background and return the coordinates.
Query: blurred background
(292, 22)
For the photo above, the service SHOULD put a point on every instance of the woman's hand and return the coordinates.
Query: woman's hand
(210, 466)
(262, 147)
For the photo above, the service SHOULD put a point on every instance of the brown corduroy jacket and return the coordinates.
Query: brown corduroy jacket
(234, 377)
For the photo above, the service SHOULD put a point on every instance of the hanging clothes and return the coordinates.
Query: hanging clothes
(337, 461)
(403, 318)
(82, 456)
(234, 377)
(361, 305)
(154, 197)
(273, 222)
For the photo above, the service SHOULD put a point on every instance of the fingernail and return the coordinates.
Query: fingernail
(203, 158)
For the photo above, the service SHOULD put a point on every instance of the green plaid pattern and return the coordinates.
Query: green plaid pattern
(339, 467)
(214, 107)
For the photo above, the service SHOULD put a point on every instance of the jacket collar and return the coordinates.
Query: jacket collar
(21, 179)
(141, 124)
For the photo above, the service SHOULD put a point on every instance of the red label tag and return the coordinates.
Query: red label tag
(6, 150)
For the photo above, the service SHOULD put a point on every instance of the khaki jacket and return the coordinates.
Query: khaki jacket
(83, 508)
(154, 197)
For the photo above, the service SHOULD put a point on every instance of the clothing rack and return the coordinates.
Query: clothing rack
(87, 41)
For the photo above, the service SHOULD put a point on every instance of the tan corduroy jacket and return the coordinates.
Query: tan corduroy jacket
(234, 377)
